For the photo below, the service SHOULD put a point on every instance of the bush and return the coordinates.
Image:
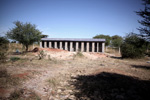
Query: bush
(14, 59)
(41, 54)
(3, 48)
(133, 47)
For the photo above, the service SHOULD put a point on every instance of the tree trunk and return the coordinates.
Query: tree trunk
(26, 48)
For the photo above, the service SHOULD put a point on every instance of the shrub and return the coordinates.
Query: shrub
(41, 54)
(78, 54)
(133, 46)
(14, 59)
(3, 48)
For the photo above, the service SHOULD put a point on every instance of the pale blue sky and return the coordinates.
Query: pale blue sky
(72, 18)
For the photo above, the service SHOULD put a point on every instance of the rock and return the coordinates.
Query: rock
(51, 98)
(148, 61)
(59, 91)
(68, 91)
(102, 65)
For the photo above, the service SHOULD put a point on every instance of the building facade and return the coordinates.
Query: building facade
(74, 45)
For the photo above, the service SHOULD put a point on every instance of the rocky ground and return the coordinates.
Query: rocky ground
(64, 75)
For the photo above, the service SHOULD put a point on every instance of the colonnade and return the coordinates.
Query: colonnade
(74, 46)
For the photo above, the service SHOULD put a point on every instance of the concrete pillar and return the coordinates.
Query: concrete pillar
(50, 44)
(45, 44)
(103, 47)
(71, 48)
(77, 46)
(93, 46)
(66, 45)
(60, 45)
(41, 44)
(97, 47)
(82, 46)
(87, 47)
(55, 45)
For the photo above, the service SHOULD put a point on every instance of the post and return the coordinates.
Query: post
(82, 46)
(50, 44)
(33, 45)
(97, 47)
(41, 44)
(55, 45)
(87, 47)
(70, 46)
(45, 44)
(66, 45)
(60, 45)
(77, 46)
(93, 46)
(103, 47)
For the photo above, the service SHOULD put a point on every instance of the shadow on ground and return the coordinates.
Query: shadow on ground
(111, 86)
(116, 57)
(141, 66)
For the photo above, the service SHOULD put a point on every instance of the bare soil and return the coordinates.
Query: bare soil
(64, 75)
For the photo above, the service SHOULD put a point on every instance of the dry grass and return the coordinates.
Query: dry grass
(6, 80)
(17, 46)
(53, 82)
(22, 94)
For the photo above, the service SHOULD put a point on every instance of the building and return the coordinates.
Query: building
(71, 44)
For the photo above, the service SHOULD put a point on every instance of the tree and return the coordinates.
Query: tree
(116, 41)
(145, 14)
(133, 46)
(25, 33)
(101, 36)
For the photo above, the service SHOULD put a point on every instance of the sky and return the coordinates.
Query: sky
(72, 18)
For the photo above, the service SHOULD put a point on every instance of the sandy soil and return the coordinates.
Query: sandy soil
(64, 75)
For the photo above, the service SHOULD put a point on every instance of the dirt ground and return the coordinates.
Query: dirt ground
(64, 75)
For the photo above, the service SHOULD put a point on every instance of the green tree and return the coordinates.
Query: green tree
(145, 14)
(25, 33)
(116, 41)
(133, 46)
(106, 37)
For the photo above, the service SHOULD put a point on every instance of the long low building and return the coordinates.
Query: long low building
(74, 45)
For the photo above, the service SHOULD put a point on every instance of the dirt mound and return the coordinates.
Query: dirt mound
(52, 49)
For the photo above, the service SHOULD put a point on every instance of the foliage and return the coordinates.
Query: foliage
(101, 36)
(133, 46)
(25, 33)
(116, 41)
(14, 59)
(3, 48)
(41, 54)
(145, 14)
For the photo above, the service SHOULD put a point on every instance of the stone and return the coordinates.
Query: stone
(148, 61)
(59, 91)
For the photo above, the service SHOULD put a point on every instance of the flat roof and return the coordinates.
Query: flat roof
(73, 39)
